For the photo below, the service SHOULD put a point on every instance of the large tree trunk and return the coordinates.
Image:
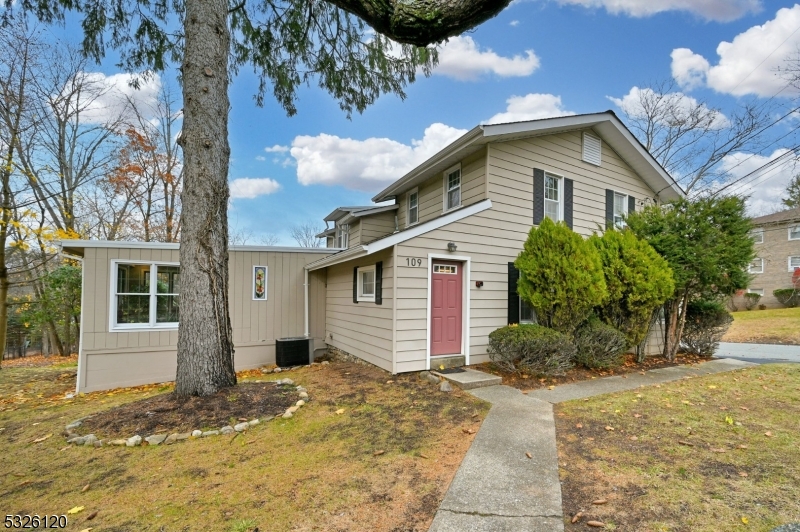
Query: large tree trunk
(671, 312)
(205, 346)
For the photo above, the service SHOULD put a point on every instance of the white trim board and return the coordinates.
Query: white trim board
(465, 314)
(122, 244)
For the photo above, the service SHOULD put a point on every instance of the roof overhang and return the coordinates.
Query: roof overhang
(605, 124)
(77, 247)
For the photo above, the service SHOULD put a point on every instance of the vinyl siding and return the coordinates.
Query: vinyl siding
(377, 226)
(362, 329)
(354, 234)
(127, 358)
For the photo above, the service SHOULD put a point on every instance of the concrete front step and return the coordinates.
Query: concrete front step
(447, 362)
(470, 379)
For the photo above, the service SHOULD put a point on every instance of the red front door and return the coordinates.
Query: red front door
(446, 298)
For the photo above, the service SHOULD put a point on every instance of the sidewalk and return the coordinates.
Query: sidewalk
(498, 488)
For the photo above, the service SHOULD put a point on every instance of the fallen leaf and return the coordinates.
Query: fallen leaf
(745, 520)
(609, 428)
(637, 415)
(688, 444)
(742, 474)
(718, 450)
(40, 440)
(741, 446)
(87, 529)
(634, 438)
(712, 387)
(596, 524)
(85, 488)
(768, 434)
(468, 431)
(550, 387)
(744, 408)
(576, 517)
(423, 456)
(340, 411)
(378, 453)
(76, 509)
(529, 455)
(579, 425)
(600, 501)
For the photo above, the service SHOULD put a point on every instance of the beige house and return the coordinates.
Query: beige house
(418, 280)
(776, 240)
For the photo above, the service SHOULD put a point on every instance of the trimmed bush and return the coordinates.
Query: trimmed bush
(788, 297)
(561, 276)
(751, 300)
(706, 323)
(532, 349)
(599, 345)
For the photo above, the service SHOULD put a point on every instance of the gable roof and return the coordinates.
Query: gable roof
(789, 215)
(357, 212)
(605, 124)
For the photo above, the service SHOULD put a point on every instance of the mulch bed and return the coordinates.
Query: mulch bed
(36, 361)
(168, 413)
(531, 382)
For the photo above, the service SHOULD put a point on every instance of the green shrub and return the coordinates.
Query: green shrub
(638, 280)
(560, 276)
(751, 300)
(532, 349)
(599, 345)
(788, 297)
(706, 323)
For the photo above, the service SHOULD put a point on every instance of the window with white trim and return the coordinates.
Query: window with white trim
(794, 233)
(757, 266)
(757, 235)
(342, 235)
(794, 262)
(413, 207)
(759, 291)
(552, 197)
(620, 210)
(366, 284)
(452, 188)
(526, 312)
(146, 295)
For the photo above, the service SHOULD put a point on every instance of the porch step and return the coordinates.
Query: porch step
(470, 379)
(455, 361)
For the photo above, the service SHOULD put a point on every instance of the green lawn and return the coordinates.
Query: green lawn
(773, 326)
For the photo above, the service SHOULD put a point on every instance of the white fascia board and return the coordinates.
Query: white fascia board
(421, 229)
(121, 244)
(543, 125)
(343, 256)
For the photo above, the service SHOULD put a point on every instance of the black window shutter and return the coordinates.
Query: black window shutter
(609, 208)
(538, 196)
(568, 204)
(631, 204)
(355, 285)
(513, 297)
(379, 283)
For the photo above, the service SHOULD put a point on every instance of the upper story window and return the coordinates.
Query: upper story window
(620, 210)
(591, 149)
(342, 235)
(794, 233)
(452, 188)
(794, 262)
(145, 295)
(366, 283)
(552, 197)
(757, 266)
(757, 235)
(413, 207)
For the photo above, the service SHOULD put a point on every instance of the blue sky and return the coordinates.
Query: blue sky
(538, 58)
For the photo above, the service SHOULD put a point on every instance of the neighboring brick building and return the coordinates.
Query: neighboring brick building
(777, 245)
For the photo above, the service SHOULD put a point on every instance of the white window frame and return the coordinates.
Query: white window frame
(266, 283)
(342, 237)
(446, 190)
(409, 223)
(757, 233)
(751, 269)
(560, 181)
(796, 257)
(621, 224)
(797, 230)
(360, 296)
(533, 313)
(759, 291)
(113, 326)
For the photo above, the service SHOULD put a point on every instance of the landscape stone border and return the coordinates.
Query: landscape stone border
(90, 440)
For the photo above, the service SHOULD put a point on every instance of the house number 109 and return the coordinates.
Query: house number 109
(410, 261)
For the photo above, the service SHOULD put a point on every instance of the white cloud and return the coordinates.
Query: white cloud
(530, 107)
(676, 103)
(276, 149)
(765, 187)
(719, 10)
(365, 164)
(747, 65)
(247, 187)
(105, 98)
(461, 58)
(260, 158)
(514, 23)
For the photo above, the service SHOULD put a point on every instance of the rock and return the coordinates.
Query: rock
(445, 386)
(227, 429)
(293, 409)
(208, 433)
(117, 442)
(324, 362)
(253, 422)
(77, 440)
(98, 443)
(300, 403)
(287, 381)
(287, 415)
(433, 379)
(172, 438)
(156, 439)
(277, 370)
(74, 425)
(184, 436)
(89, 439)
(301, 389)
(69, 395)
(241, 427)
(196, 433)
(133, 441)
(303, 395)
(424, 375)
(267, 419)
(790, 527)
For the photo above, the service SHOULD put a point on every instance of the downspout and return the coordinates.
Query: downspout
(305, 305)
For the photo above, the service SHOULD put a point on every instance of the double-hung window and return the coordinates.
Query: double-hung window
(452, 188)
(759, 291)
(413, 207)
(757, 235)
(757, 266)
(552, 197)
(342, 233)
(794, 233)
(794, 262)
(620, 210)
(366, 283)
(145, 295)
(526, 312)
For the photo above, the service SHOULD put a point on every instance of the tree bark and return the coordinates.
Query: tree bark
(205, 346)
(671, 328)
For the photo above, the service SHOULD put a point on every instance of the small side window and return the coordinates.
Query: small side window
(452, 188)
(366, 283)
(413, 207)
(794, 233)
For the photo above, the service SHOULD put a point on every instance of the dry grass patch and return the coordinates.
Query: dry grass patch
(771, 326)
(317, 471)
(704, 454)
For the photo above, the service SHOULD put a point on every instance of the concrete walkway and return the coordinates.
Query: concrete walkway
(498, 488)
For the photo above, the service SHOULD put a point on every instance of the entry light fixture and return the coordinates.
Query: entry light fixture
(451, 247)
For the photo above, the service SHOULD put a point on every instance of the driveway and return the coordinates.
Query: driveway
(759, 353)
